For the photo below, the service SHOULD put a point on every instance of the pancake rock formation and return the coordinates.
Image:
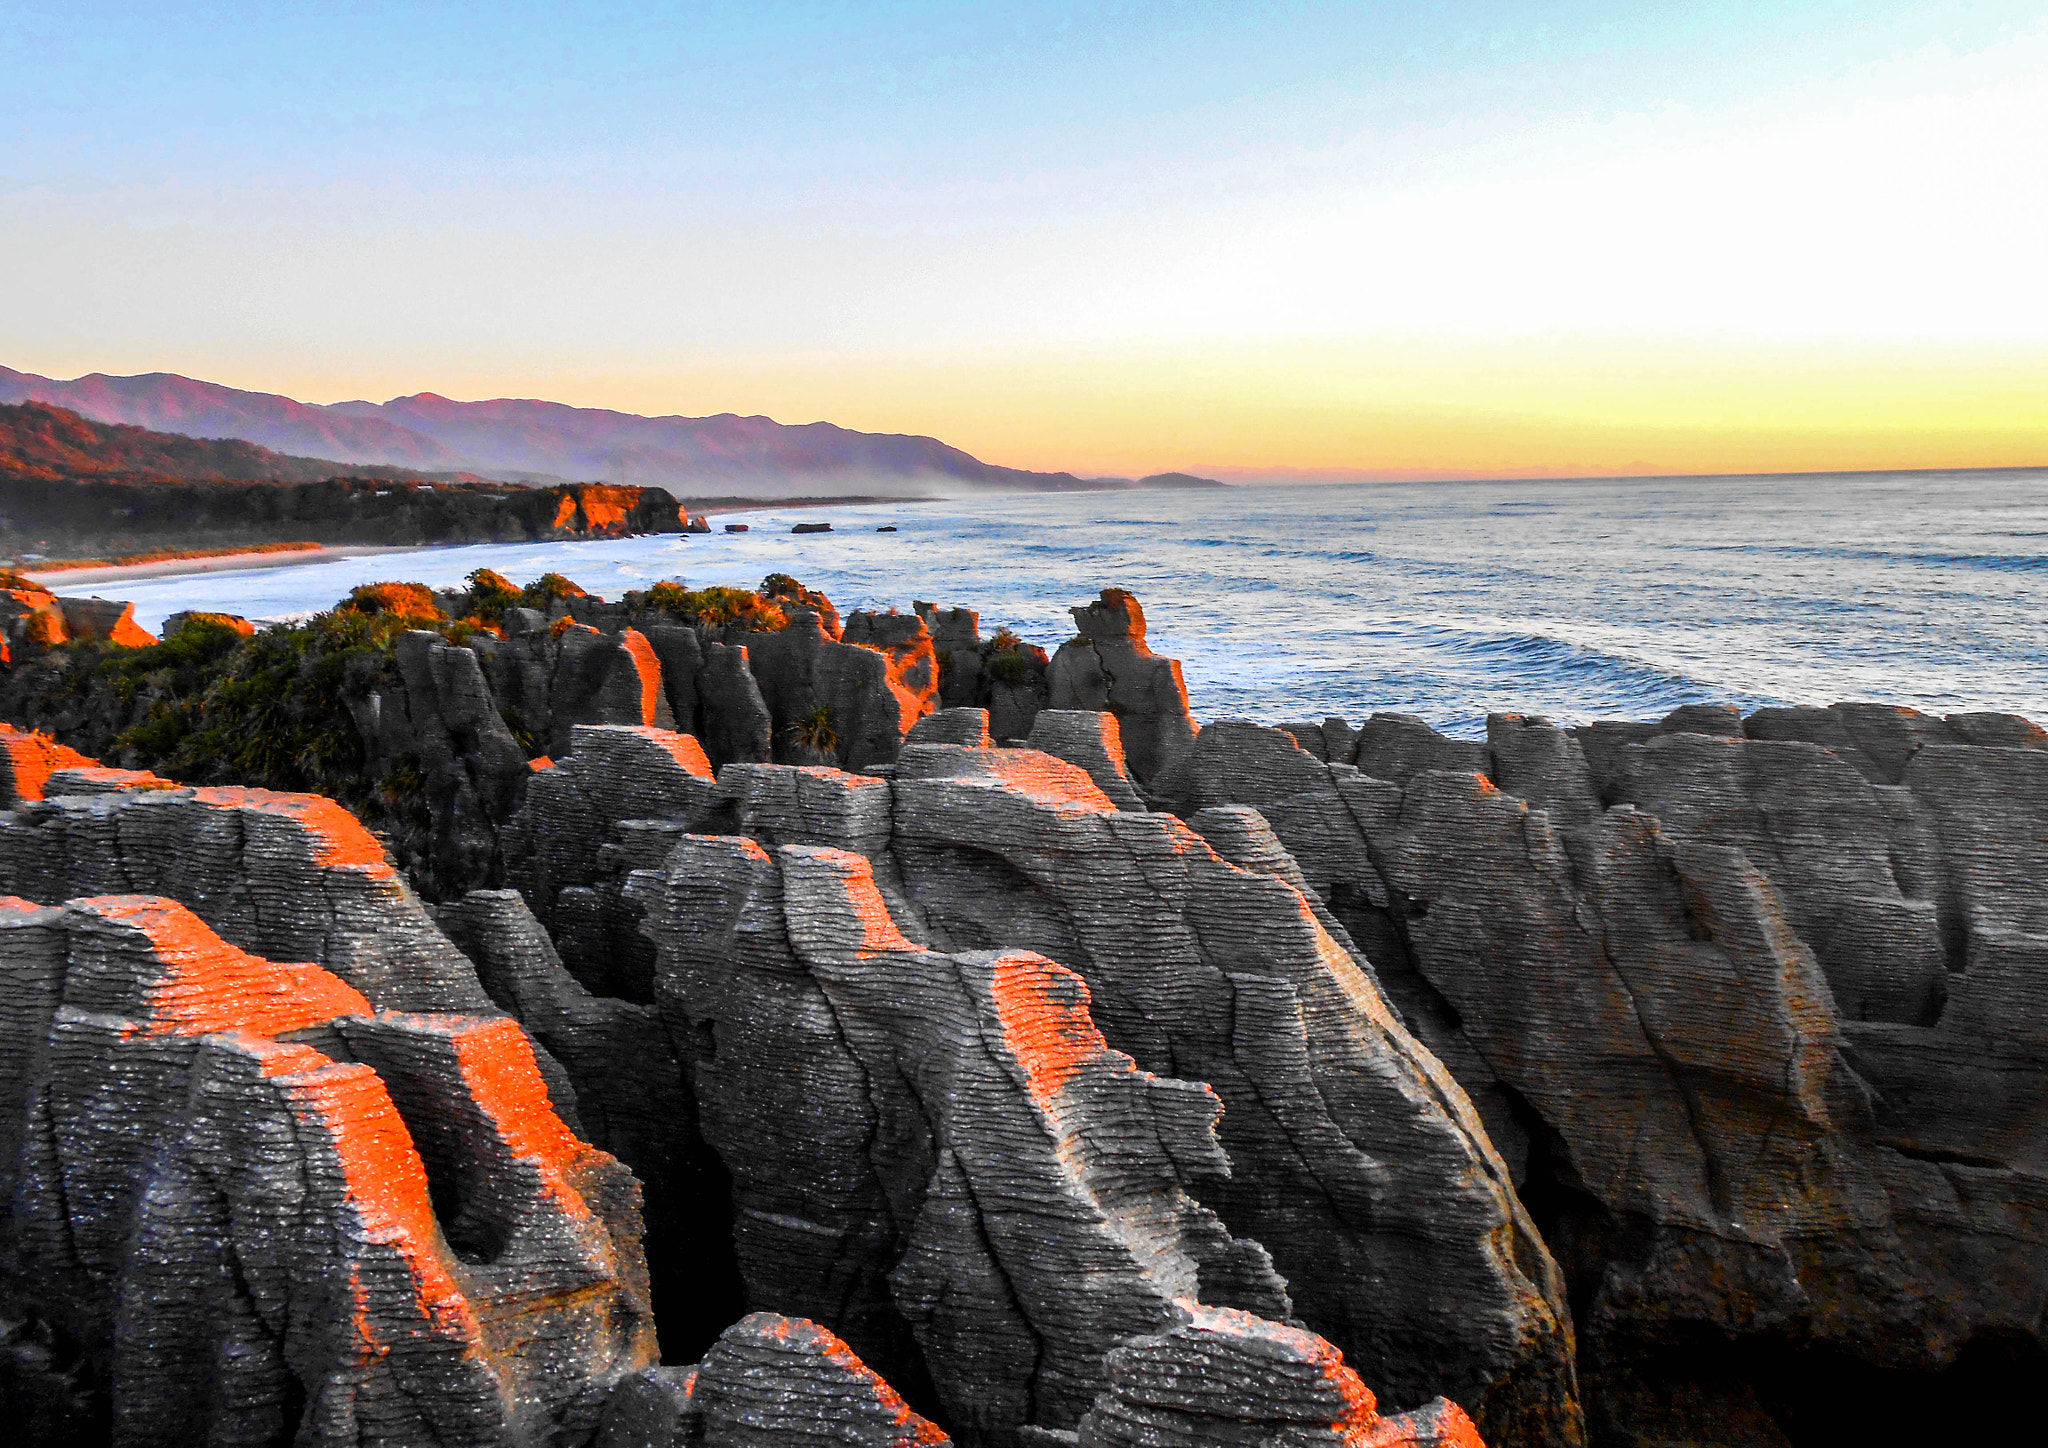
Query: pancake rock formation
(1750, 1007)
(354, 1200)
(266, 1210)
(948, 1043)
(808, 946)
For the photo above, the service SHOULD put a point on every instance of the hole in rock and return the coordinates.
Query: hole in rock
(291, 1411)
(459, 1150)
(693, 1269)
(47, 1395)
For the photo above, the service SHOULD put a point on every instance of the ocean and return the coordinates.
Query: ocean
(1578, 600)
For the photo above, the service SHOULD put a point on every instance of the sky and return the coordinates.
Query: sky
(1250, 240)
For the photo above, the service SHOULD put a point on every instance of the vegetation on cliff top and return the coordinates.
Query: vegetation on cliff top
(75, 487)
(210, 705)
(711, 606)
(50, 443)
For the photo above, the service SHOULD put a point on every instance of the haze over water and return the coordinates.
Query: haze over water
(1579, 600)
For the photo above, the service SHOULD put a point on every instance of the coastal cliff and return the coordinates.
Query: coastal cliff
(940, 1039)
(71, 486)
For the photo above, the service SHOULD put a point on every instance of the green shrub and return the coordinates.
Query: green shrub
(818, 729)
(1011, 668)
(490, 594)
(785, 589)
(545, 589)
(521, 732)
(714, 605)
(405, 600)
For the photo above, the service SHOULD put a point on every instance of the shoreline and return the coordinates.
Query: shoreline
(57, 580)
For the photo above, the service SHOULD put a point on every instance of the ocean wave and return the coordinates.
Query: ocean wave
(1545, 665)
(1999, 562)
(1593, 600)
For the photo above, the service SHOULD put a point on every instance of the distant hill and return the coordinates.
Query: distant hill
(72, 487)
(39, 441)
(169, 403)
(534, 441)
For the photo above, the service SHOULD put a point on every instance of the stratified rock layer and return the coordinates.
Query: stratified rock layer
(1224, 1377)
(285, 876)
(1109, 666)
(768, 1382)
(268, 1213)
(1349, 1153)
(27, 761)
(1751, 1014)
(1019, 1183)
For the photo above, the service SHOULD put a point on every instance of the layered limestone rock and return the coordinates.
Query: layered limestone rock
(603, 678)
(474, 770)
(1225, 1377)
(1089, 740)
(628, 1094)
(768, 1382)
(286, 876)
(954, 1105)
(590, 819)
(1400, 746)
(268, 1213)
(1002, 674)
(1751, 1015)
(952, 726)
(1109, 666)
(843, 702)
(27, 759)
(1357, 1161)
(913, 667)
(956, 642)
(1351, 1155)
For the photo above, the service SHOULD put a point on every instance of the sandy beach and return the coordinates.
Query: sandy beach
(68, 580)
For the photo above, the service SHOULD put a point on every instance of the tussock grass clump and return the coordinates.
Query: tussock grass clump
(1009, 667)
(818, 730)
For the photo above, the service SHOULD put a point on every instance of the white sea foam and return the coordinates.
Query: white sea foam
(1573, 599)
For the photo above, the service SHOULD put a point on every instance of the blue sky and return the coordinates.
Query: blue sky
(856, 210)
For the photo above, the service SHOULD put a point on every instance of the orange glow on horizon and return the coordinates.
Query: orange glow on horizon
(1321, 409)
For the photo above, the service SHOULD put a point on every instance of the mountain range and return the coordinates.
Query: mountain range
(524, 440)
(41, 442)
